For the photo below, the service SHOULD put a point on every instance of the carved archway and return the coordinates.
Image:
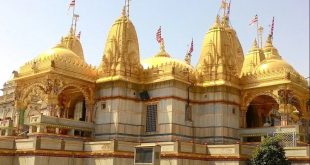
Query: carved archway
(36, 86)
(86, 93)
(261, 112)
(73, 103)
(248, 98)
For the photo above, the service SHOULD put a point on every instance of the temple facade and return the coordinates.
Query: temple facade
(57, 109)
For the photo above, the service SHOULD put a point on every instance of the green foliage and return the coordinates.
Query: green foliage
(269, 152)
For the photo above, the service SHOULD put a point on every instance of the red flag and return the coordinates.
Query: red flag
(72, 4)
(254, 20)
(191, 49)
(272, 27)
(158, 35)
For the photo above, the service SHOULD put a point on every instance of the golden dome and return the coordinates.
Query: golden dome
(59, 52)
(72, 42)
(273, 61)
(274, 65)
(59, 57)
(163, 58)
(253, 58)
(158, 61)
(221, 51)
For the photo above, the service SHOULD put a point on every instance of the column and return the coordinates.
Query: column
(20, 108)
(40, 129)
(89, 112)
(57, 130)
(243, 110)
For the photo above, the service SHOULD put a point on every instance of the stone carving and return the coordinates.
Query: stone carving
(58, 84)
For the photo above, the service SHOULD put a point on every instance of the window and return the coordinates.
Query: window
(103, 106)
(144, 155)
(188, 112)
(151, 118)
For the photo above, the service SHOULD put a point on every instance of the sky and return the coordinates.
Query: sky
(29, 27)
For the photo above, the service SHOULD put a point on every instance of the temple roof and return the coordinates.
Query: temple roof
(273, 61)
(121, 48)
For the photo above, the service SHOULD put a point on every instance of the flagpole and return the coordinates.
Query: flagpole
(257, 30)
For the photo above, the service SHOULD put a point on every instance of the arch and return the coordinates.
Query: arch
(25, 92)
(260, 112)
(85, 93)
(248, 100)
(73, 103)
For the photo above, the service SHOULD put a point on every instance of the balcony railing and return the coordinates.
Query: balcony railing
(60, 122)
(261, 131)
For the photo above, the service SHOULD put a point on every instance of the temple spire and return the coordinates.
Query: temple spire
(254, 45)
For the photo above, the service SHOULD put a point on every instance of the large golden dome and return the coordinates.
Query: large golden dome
(62, 57)
(56, 53)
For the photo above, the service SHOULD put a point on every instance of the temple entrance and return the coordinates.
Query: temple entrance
(72, 104)
(262, 112)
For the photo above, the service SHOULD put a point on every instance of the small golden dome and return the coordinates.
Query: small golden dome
(274, 65)
(72, 42)
(58, 52)
(273, 61)
(159, 60)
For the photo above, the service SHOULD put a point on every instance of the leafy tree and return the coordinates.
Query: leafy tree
(269, 152)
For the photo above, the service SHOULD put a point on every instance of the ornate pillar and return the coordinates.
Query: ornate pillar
(52, 104)
(89, 112)
(20, 108)
(243, 110)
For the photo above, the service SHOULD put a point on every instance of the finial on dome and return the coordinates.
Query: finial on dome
(188, 58)
(75, 18)
(254, 46)
(162, 45)
(268, 41)
(124, 11)
(126, 8)
(217, 21)
(225, 7)
(189, 53)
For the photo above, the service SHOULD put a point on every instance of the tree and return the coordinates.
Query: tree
(269, 152)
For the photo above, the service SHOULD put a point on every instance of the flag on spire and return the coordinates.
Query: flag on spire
(254, 20)
(272, 28)
(191, 49)
(79, 35)
(158, 35)
(71, 4)
(228, 9)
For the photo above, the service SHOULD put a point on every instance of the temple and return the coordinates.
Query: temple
(58, 109)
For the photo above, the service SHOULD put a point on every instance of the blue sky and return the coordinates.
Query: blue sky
(28, 27)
